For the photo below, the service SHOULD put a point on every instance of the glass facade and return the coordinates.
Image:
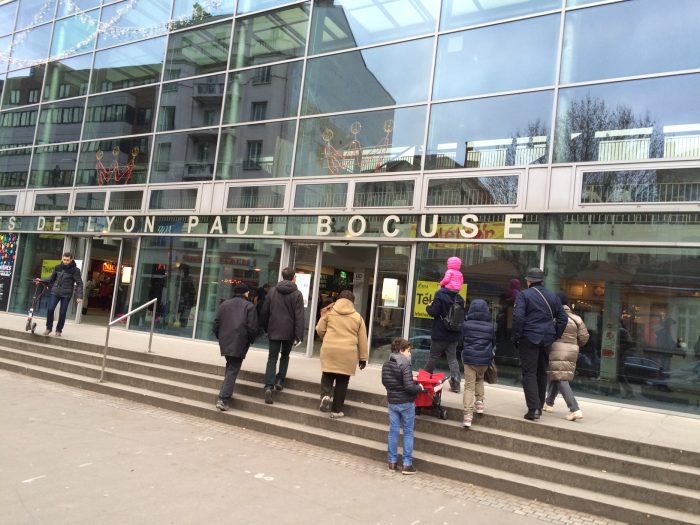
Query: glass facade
(260, 134)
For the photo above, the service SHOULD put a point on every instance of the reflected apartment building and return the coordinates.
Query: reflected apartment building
(180, 147)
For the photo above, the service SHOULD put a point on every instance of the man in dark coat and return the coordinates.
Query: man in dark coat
(443, 342)
(235, 326)
(64, 278)
(282, 317)
(538, 320)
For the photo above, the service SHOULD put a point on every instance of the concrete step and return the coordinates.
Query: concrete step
(254, 414)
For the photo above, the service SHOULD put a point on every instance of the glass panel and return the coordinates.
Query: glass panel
(114, 162)
(492, 273)
(473, 62)
(193, 12)
(636, 120)
(14, 166)
(641, 308)
(128, 66)
(256, 151)
(511, 130)
(184, 157)
(30, 47)
(5, 52)
(93, 201)
(321, 196)
(8, 202)
(168, 269)
(347, 23)
(60, 121)
(71, 7)
(473, 191)
(386, 76)
(17, 127)
(53, 166)
(663, 185)
(246, 6)
(74, 35)
(125, 200)
(23, 87)
(459, 13)
(630, 38)
(36, 251)
(133, 20)
(67, 78)
(52, 201)
(197, 51)
(34, 12)
(374, 142)
(389, 300)
(270, 37)
(183, 199)
(262, 93)
(383, 194)
(256, 197)
(121, 305)
(191, 103)
(7, 17)
(302, 259)
(120, 113)
(228, 262)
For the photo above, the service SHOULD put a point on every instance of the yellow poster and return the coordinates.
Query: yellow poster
(47, 266)
(425, 291)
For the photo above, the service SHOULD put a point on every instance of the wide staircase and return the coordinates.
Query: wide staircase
(611, 477)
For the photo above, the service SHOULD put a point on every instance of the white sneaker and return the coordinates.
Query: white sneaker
(574, 416)
(479, 405)
(548, 408)
(337, 415)
(325, 404)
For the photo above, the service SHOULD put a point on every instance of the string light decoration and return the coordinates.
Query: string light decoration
(355, 158)
(108, 28)
(115, 173)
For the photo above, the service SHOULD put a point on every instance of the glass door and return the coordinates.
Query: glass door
(303, 258)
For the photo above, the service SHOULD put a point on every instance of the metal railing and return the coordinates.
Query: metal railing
(154, 302)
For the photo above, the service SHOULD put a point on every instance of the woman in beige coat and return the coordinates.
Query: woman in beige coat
(562, 362)
(344, 346)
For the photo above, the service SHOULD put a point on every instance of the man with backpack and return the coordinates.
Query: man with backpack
(447, 310)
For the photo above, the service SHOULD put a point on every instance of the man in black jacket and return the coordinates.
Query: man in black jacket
(401, 392)
(64, 278)
(443, 342)
(282, 317)
(538, 320)
(235, 326)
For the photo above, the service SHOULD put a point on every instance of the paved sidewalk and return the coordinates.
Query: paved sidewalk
(604, 418)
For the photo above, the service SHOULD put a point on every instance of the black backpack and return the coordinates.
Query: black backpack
(453, 320)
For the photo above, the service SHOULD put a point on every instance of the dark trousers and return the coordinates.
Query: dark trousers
(533, 361)
(63, 310)
(233, 366)
(448, 349)
(281, 350)
(338, 392)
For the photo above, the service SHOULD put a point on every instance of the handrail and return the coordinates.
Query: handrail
(118, 319)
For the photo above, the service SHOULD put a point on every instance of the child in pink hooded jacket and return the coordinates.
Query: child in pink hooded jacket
(453, 278)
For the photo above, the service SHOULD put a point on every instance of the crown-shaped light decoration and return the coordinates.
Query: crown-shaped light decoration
(355, 158)
(115, 173)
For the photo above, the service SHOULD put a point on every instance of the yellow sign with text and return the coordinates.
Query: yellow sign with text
(47, 266)
(425, 291)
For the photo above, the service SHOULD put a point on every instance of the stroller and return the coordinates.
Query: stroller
(39, 289)
(430, 399)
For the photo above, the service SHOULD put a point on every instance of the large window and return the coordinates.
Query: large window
(197, 51)
(125, 200)
(121, 113)
(383, 194)
(114, 162)
(184, 157)
(23, 87)
(176, 199)
(51, 202)
(252, 197)
(14, 166)
(321, 195)
(67, 78)
(17, 127)
(192, 103)
(30, 47)
(632, 186)
(473, 191)
(460, 13)
(60, 121)
(8, 202)
(128, 66)
(7, 17)
(53, 166)
(133, 20)
(74, 35)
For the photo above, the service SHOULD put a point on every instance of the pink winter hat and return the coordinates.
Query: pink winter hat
(454, 263)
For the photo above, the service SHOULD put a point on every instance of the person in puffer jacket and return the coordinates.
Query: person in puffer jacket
(562, 362)
(479, 341)
(453, 279)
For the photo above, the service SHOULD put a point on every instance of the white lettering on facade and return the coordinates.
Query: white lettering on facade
(433, 228)
(192, 222)
(110, 221)
(11, 223)
(244, 230)
(40, 224)
(351, 226)
(90, 226)
(385, 227)
(129, 224)
(267, 231)
(507, 231)
(216, 226)
(149, 224)
(323, 226)
(57, 224)
(469, 230)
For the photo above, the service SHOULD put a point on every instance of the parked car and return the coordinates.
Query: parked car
(641, 370)
(684, 379)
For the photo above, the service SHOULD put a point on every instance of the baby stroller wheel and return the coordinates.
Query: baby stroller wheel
(442, 414)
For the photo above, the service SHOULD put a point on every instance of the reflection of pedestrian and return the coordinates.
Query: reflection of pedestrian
(344, 347)
(63, 280)
(235, 326)
(665, 343)
(538, 320)
(105, 293)
(188, 295)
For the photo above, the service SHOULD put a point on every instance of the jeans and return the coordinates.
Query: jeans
(402, 415)
(563, 387)
(534, 359)
(233, 366)
(277, 349)
(473, 386)
(447, 349)
(63, 310)
(339, 392)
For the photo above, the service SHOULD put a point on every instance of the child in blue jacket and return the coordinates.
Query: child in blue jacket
(479, 341)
